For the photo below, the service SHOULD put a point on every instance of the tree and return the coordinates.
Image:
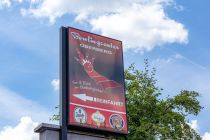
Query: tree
(152, 117)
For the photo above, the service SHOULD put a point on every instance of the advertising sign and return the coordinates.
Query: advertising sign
(96, 82)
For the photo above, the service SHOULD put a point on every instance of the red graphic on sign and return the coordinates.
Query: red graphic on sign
(87, 63)
(96, 81)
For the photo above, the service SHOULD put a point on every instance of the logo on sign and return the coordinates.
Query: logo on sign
(116, 121)
(98, 118)
(80, 115)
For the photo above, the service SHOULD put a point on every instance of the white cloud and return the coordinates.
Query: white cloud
(206, 136)
(141, 27)
(55, 84)
(194, 124)
(8, 3)
(5, 4)
(14, 106)
(23, 131)
(161, 62)
(81, 8)
(20, 1)
(141, 24)
(35, 1)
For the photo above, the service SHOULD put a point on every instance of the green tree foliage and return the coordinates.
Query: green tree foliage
(150, 117)
(55, 117)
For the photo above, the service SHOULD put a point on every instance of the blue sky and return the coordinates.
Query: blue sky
(172, 34)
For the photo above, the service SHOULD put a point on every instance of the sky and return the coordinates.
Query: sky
(172, 34)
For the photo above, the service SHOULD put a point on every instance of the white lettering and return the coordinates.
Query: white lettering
(89, 39)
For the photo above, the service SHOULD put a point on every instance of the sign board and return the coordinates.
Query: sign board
(96, 94)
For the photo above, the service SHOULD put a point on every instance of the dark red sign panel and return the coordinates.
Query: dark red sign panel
(96, 82)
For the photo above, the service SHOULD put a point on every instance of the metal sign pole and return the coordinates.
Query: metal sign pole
(63, 83)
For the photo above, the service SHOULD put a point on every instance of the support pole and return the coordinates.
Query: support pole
(63, 82)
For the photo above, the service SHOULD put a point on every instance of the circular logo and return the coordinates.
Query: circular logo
(98, 118)
(80, 115)
(116, 121)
